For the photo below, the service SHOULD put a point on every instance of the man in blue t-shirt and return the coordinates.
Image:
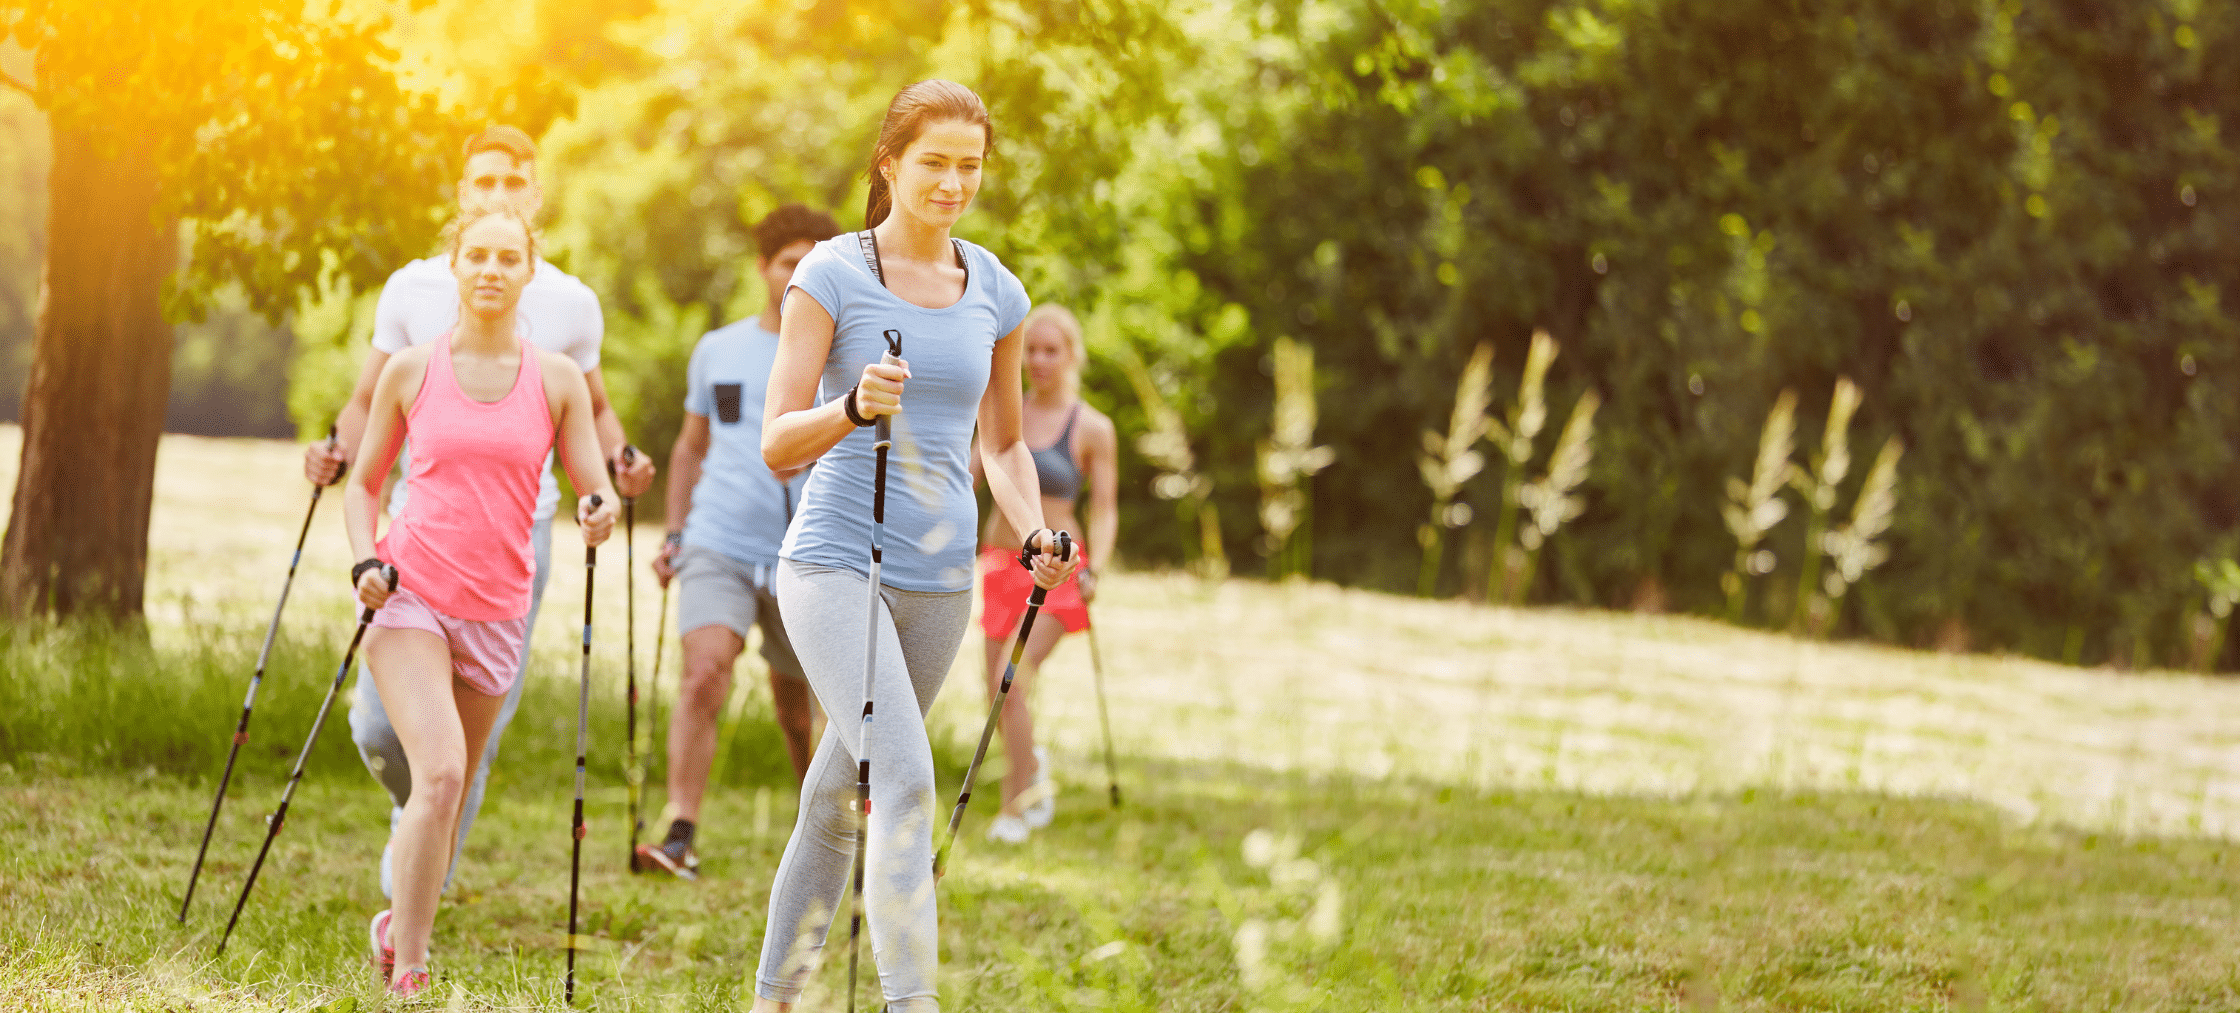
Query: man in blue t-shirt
(724, 554)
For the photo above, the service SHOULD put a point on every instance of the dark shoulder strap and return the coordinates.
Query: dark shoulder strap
(870, 245)
(1065, 439)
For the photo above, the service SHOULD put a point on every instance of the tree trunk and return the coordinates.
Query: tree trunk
(77, 542)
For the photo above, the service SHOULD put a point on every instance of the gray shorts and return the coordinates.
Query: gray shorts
(714, 589)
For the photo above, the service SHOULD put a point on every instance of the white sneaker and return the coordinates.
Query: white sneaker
(1041, 793)
(1009, 829)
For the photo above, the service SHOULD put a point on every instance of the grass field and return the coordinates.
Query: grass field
(1336, 800)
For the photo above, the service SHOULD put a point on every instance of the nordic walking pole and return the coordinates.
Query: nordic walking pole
(633, 774)
(653, 687)
(280, 816)
(241, 730)
(1104, 717)
(583, 733)
(883, 431)
(995, 710)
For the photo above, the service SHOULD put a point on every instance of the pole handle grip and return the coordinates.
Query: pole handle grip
(334, 436)
(884, 424)
(1065, 549)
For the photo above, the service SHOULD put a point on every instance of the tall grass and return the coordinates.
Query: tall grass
(2221, 579)
(1513, 437)
(1449, 461)
(89, 696)
(86, 697)
(1548, 501)
(1855, 546)
(1753, 509)
(1167, 444)
(1817, 484)
(1287, 458)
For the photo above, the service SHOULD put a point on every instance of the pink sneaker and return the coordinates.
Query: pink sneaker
(384, 958)
(410, 984)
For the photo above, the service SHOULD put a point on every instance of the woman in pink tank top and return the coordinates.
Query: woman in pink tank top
(482, 408)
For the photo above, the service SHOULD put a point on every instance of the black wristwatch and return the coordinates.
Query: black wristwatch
(848, 404)
(359, 571)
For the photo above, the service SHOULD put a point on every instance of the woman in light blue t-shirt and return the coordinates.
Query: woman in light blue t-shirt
(959, 311)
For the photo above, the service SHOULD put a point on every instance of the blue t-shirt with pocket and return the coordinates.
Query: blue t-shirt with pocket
(738, 507)
(931, 514)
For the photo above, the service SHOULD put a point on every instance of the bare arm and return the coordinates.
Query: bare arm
(1009, 464)
(1100, 452)
(324, 461)
(685, 457)
(580, 449)
(384, 432)
(1005, 458)
(634, 478)
(795, 430)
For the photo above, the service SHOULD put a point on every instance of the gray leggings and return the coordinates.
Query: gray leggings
(919, 633)
(384, 755)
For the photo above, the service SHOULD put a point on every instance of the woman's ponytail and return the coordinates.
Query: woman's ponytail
(881, 202)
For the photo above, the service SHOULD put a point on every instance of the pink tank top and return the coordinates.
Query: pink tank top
(463, 541)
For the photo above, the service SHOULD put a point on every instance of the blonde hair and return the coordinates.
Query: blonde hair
(461, 222)
(1064, 320)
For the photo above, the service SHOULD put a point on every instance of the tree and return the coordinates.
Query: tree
(271, 147)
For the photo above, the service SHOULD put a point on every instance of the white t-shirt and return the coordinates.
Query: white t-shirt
(420, 303)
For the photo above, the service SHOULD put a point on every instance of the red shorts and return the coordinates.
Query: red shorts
(1004, 587)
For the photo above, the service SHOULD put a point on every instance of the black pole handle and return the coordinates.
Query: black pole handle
(884, 424)
(628, 456)
(334, 435)
(1065, 549)
(389, 572)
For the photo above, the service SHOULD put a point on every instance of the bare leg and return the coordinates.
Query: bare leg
(791, 699)
(440, 725)
(709, 652)
(1018, 717)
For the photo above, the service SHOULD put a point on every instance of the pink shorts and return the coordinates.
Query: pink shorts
(484, 655)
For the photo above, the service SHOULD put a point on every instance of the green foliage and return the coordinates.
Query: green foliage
(2011, 226)
(1999, 220)
(280, 133)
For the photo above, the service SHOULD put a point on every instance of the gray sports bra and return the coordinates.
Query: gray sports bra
(1054, 467)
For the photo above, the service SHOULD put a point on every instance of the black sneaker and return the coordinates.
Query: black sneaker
(675, 857)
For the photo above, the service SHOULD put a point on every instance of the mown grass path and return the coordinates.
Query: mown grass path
(1447, 807)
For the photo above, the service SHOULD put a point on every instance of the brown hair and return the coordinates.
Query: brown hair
(466, 219)
(500, 137)
(789, 225)
(934, 101)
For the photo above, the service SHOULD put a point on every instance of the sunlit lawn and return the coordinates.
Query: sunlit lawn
(1463, 808)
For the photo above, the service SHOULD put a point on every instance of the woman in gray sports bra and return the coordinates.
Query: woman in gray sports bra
(1072, 444)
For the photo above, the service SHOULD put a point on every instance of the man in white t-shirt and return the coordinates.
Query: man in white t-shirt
(419, 304)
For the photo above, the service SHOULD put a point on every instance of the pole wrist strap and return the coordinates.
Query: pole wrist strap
(848, 403)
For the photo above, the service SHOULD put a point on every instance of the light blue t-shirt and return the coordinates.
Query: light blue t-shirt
(931, 514)
(738, 506)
